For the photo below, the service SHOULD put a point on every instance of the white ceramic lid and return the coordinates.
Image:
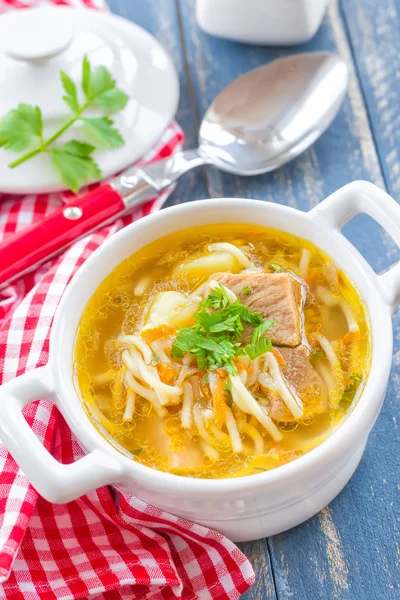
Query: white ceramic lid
(35, 44)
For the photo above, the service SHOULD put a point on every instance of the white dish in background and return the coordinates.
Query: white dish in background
(243, 508)
(270, 22)
(30, 62)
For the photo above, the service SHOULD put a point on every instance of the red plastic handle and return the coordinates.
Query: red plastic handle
(41, 241)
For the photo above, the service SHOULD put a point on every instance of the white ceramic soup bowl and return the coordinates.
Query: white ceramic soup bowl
(244, 508)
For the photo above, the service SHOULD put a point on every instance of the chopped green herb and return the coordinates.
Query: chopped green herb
(204, 381)
(261, 329)
(137, 451)
(255, 350)
(214, 340)
(218, 298)
(259, 469)
(154, 359)
(356, 376)
(348, 395)
(317, 353)
(246, 290)
(275, 267)
(228, 385)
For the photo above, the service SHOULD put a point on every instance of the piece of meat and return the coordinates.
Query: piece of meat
(300, 375)
(274, 296)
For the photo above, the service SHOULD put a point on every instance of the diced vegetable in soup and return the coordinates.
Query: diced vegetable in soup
(222, 351)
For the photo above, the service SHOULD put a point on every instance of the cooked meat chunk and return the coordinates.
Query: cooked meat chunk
(274, 296)
(300, 376)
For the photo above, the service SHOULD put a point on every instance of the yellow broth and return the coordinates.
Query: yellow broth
(150, 439)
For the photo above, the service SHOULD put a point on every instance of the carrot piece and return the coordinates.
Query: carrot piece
(312, 278)
(205, 389)
(278, 357)
(221, 372)
(156, 333)
(166, 373)
(351, 336)
(218, 402)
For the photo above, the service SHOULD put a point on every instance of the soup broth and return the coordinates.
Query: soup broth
(222, 351)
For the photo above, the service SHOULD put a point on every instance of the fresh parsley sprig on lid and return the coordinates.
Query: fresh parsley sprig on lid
(21, 129)
(215, 339)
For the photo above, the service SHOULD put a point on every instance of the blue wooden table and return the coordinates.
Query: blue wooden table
(351, 550)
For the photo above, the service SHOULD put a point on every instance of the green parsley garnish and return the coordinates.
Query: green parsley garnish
(137, 451)
(154, 359)
(317, 353)
(258, 331)
(275, 267)
(246, 290)
(356, 376)
(228, 385)
(350, 391)
(204, 381)
(21, 129)
(215, 339)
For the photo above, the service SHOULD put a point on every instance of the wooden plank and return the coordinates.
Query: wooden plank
(259, 555)
(161, 19)
(374, 31)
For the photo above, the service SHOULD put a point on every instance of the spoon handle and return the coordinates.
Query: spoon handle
(159, 175)
(45, 239)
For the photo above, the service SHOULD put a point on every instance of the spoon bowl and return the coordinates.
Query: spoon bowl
(269, 116)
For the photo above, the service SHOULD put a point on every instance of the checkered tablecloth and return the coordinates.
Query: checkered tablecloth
(89, 547)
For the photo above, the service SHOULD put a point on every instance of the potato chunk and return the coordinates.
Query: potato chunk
(175, 308)
(206, 265)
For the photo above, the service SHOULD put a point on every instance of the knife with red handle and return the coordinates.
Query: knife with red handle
(45, 239)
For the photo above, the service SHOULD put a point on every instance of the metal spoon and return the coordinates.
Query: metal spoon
(259, 122)
(256, 124)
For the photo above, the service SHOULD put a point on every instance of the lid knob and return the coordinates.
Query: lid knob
(34, 35)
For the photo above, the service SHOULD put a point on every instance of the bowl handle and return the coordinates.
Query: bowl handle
(364, 197)
(53, 480)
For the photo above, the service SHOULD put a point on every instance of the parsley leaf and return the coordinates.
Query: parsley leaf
(275, 267)
(243, 311)
(207, 320)
(356, 376)
(21, 128)
(99, 87)
(260, 329)
(350, 391)
(154, 359)
(255, 350)
(246, 290)
(102, 128)
(228, 385)
(218, 298)
(112, 100)
(317, 353)
(71, 93)
(75, 164)
(214, 340)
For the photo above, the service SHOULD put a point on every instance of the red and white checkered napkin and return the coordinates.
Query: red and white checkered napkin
(88, 547)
